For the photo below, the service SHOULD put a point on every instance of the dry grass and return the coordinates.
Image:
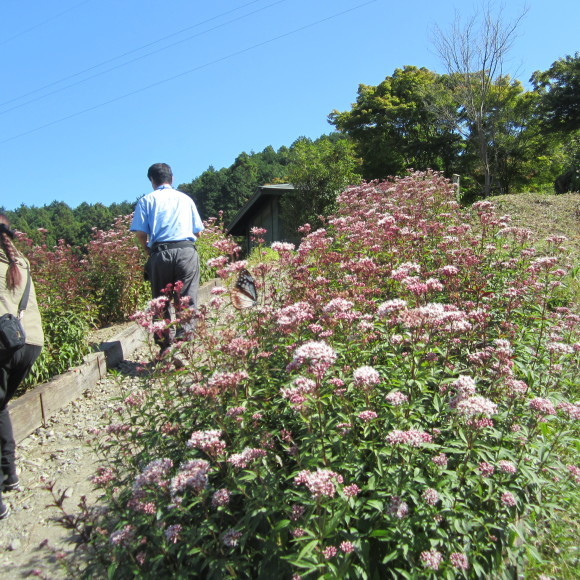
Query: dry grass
(545, 215)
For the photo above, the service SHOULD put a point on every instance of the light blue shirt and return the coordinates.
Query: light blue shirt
(167, 215)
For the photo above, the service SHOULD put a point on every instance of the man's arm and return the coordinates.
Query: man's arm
(142, 239)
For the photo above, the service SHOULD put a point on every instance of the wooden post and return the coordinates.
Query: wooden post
(456, 179)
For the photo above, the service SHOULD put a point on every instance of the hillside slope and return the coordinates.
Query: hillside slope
(545, 215)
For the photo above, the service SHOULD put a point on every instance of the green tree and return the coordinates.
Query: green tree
(474, 54)
(91, 217)
(519, 153)
(318, 171)
(559, 89)
(227, 189)
(559, 92)
(208, 191)
(63, 222)
(399, 124)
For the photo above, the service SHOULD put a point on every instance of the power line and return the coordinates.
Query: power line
(141, 57)
(119, 57)
(43, 22)
(187, 72)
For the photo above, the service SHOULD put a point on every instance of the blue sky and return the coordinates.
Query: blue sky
(95, 91)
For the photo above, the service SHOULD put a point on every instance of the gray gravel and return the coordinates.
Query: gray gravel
(31, 541)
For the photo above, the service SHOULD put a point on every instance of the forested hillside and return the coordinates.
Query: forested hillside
(58, 221)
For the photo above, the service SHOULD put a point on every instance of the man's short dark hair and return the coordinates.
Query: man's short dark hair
(160, 173)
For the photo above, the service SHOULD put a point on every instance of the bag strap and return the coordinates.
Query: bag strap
(24, 300)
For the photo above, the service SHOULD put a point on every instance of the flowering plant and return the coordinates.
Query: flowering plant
(398, 404)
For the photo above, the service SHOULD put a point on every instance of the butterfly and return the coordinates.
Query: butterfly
(244, 293)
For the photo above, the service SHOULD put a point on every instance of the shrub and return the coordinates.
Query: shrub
(114, 269)
(62, 292)
(399, 404)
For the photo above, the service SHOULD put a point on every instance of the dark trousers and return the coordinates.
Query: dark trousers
(170, 266)
(13, 370)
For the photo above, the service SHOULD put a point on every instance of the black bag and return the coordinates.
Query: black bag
(12, 335)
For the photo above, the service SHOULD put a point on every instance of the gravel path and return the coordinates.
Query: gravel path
(31, 541)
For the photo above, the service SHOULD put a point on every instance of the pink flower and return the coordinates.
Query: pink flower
(431, 559)
(515, 387)
(560, 348)
(475, 406)
(390, 307)
(104, 476)
(459, 561)
(366, 377)
(154, 474)
(571, 410)
(507, 467)
(294, 314)
(440, 460)
(207, 441)
(449, 271)
(404, 270)
(543, 406)
(430, 496)
(225, 380)
(282, 247)
(122, 537)
(344, 428)
(347, 547)
(396, 398)
(191, 475)
(319, 483)
(318, 356)
(221, 498)
(574, 472)
(338, 305)
(412, 437)
(243, 459)
(172, 533)
(329, 552)
(508, 499)
(367, 416)
(397, 507)
(464, 385)
(230, 538)
(351, 490)
(297, 512)
(486, 469)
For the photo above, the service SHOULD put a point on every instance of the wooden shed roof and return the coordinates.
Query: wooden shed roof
(254, 204)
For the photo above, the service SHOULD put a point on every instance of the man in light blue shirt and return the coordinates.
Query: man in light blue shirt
(166, 223)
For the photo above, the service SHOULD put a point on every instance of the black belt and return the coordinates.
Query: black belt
(161, 246)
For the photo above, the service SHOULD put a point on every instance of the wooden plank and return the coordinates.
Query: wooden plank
(26, 414)
(67, 387)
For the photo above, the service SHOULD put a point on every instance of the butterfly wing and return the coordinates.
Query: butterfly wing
(244, 293)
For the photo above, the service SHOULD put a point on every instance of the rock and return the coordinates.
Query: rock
(14, 545)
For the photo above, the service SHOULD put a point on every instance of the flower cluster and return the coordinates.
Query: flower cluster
(412, 437)
(321, 482)
(366, 377)
(207, 441)
(247, 456)
(316, 355)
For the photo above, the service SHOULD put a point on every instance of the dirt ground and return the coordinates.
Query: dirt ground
(31, 541)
